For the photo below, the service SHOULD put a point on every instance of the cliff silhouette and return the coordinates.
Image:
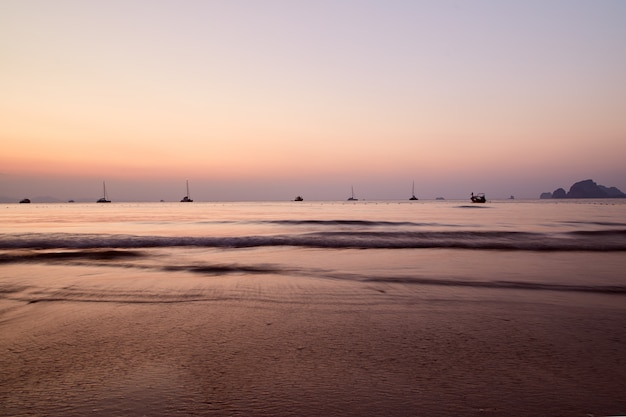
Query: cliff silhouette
(585, 189)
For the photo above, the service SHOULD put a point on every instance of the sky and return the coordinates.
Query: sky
(266, 100)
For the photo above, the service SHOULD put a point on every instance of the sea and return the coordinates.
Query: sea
(563, 245)
(323, 261)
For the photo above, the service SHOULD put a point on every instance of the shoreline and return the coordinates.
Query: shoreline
(301, 349)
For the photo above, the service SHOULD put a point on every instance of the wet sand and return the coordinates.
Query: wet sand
(269, 345)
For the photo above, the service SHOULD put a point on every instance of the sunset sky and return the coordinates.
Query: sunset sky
(265, 100)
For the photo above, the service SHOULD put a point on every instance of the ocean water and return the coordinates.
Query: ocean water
(544, 245)
(372, 296)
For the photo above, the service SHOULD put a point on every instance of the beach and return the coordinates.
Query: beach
(318, 347)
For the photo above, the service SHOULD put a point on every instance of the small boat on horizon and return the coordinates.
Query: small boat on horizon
(25, 201)
(478, 198)
(413, 193)
(187, 199)
(352, 198)
(298, 198)
(104, 198)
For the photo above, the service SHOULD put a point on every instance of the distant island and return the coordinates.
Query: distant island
(585, 189)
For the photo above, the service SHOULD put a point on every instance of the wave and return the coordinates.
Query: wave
(518, 285)
(141, 297)
(601, 240)
(365, 223)
(597, 223)
(91, 258)
(98, 255)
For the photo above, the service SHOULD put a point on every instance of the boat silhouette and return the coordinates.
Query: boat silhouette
(478, 198)
(413, 193)
(187, 199)
(104, 198)
(352, 198)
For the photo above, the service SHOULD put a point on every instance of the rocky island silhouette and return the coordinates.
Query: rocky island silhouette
(585, 189)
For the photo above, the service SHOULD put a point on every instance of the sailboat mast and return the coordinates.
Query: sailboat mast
(186, 198)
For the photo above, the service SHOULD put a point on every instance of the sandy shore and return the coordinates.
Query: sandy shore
(320, 348)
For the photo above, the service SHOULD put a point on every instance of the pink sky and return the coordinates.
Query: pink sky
(267, 100)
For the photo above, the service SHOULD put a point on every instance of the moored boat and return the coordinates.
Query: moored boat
(413, 192)
(352, 198)
(104, 198)
(478, 198)
(187, 199)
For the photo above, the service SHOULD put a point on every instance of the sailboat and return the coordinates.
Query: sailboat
(413, 193)
(104, 198)
(352, 196)
(186, 198)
